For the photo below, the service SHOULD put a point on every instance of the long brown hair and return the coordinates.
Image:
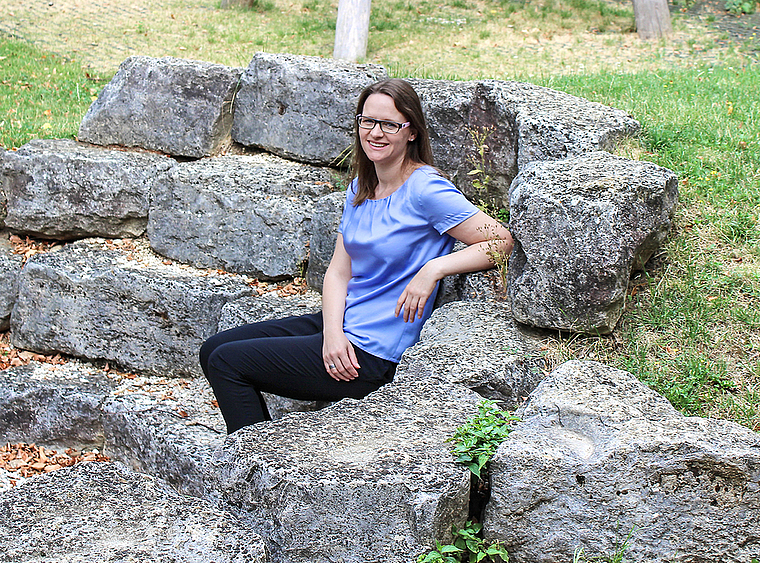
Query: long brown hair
(417, 151)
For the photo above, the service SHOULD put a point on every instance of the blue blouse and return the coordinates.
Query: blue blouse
(389, 240)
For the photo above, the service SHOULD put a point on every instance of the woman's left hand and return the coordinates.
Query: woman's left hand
(416, 294)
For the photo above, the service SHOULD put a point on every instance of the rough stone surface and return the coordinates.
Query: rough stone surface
(53, 405)
(581, 226)
(10, 267)
(456, 114)
(96, 300)
(300, 107)
(62, 189)
(246, 214)
(3, 198)
(266, 307)
(477, 345)
(324, 232)
(168, 428)
(370, 480)
(165, 427)
(554, 125)
(105, 512)
(599, 455)
(176, 106)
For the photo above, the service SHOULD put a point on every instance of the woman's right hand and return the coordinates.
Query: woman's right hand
(339, 357)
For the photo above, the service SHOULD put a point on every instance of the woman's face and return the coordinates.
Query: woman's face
(384, 149)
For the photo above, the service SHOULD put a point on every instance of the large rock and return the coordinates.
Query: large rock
(3, 198)
(62, 189)
(247, 214)
(370, 480)
(553, 125)
(300, 107)
(599, 455)
(165, 427)
(581, 226)
(180, 107)
(477, 345)
(10, 267)
(324, 233)
(96, 300)
(53, 405)
(105, 512)
(266, 307)
(462, 117)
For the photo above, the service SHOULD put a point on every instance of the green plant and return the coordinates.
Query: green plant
(475, 442)
(467, 547)
(617, 556)
(479, 160)
(739, 7)
(497, 255)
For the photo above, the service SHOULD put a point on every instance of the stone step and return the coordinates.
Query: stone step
(359, 481)
(116, 300)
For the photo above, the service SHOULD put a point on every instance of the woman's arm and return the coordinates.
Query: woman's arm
(336, 348)
(483, 234)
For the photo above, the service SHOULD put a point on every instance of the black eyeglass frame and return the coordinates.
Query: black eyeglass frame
(383, 124)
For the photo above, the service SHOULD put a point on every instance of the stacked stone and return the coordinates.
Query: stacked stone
(170, 228)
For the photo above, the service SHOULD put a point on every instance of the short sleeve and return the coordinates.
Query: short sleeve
(443, 204)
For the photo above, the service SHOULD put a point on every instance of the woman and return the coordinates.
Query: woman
(394, 242)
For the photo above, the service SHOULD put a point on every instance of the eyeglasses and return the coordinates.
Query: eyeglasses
(390, 127)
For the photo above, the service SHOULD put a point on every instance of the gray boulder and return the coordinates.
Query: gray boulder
(96, 300)
(246, 214)
(300, 107)
(370, 480)
(10, 267)
(62, 189)
(553, 125)
(3, 198)
(599, 455)
(105, 512)
(165, 427)
(53, 405)
(477, 345)
(581, 226)
(459, 115)
(176, 106)
(266, 307)
(324, 232)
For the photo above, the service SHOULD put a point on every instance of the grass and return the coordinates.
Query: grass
(691, 328)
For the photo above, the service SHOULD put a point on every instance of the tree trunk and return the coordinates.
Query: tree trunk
(652, 18)
(352, 30)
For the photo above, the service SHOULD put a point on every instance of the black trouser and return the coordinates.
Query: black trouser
(282, 357)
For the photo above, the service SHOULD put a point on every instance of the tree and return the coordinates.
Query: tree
(352, 30)
(652, 18)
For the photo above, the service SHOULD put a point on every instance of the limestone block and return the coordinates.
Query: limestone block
(96, 300)
(3, 198)
(105, 512)
(477, 345)
(266, 307)
(369, 480)
(581, 226)
(300, 107)
(246, 214)
(553, 125)
(62, 189)
(324, 232)
(454, 111)
(165, 427)
(599, 455)
(10, 267)
(53, 405)
(176, 106)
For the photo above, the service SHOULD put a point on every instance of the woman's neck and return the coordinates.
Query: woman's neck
(391, 179)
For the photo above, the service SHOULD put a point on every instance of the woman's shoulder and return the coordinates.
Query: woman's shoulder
(428, 177)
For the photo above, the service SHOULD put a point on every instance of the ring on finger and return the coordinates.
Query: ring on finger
(331, 366)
